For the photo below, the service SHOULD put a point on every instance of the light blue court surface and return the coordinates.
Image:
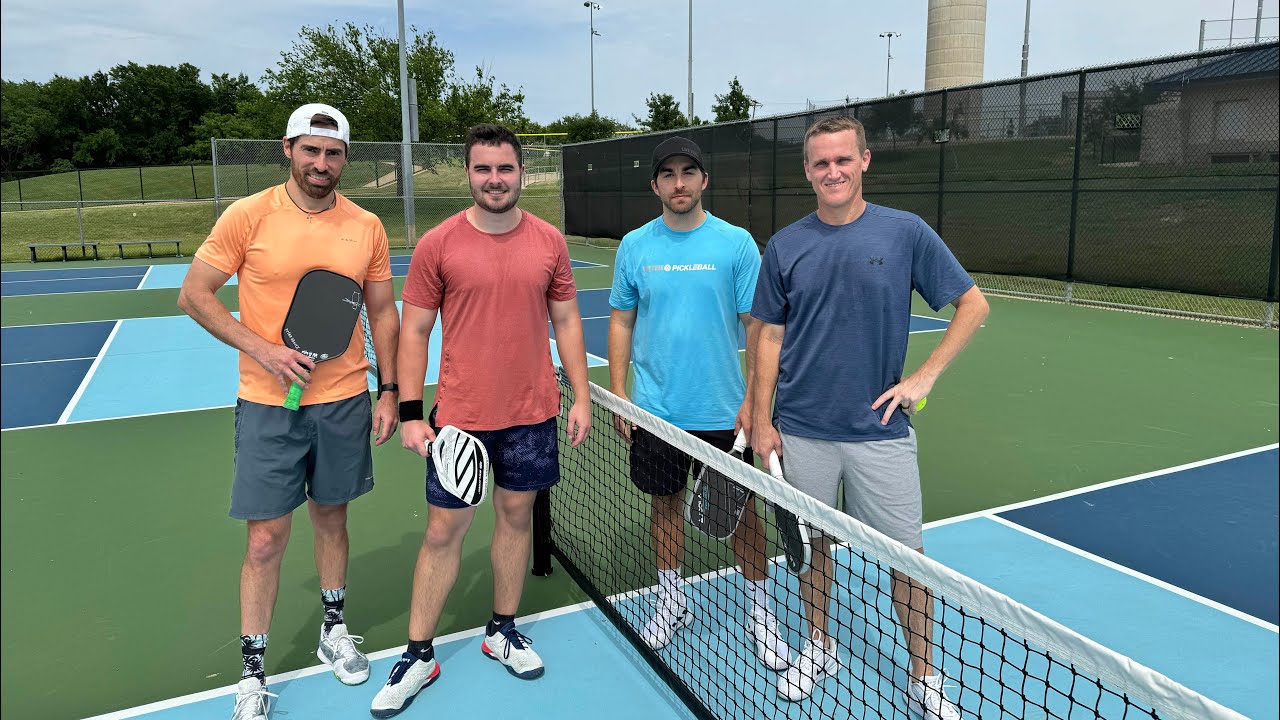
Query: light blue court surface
(135, 277)
(76, 372)
(1219, 652)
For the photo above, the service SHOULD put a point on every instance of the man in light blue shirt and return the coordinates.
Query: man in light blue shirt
(682, 284)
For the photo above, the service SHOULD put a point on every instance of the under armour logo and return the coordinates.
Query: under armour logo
(876, 261)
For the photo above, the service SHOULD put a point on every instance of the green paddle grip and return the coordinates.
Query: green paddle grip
(294, 398)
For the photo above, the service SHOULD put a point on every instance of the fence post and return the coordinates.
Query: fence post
(1075, 184)
(942, 163)
(773, 182)
(195, 192)
(217, 198)
(246, 181)
(80, 184)
(142, 190)
(80, 223)
(1269, 315)
(20, 206)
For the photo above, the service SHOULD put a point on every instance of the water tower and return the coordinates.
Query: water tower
(955, 43)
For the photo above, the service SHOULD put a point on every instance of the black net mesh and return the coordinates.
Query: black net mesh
(994, 654)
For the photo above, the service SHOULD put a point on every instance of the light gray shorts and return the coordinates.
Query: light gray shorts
(881, 480)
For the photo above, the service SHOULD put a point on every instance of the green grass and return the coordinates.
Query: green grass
(190, 222)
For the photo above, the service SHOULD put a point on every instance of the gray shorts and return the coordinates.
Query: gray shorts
(283, 456)
(881, 480)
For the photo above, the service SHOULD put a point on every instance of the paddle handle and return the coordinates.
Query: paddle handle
(294, 398)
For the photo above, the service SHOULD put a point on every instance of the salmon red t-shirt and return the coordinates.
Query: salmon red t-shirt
(492, 291)
(270, 243)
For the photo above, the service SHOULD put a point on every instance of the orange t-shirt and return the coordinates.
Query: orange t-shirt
(270, 243)
(492, 292)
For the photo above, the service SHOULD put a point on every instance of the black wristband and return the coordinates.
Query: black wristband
(410, 410)
(387, 387)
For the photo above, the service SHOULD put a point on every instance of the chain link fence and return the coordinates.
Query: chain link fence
(37, 229)
(1149, 185)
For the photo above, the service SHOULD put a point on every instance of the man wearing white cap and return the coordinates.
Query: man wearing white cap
(318, 455)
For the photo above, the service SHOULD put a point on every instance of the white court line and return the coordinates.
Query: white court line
(1181, 592)
(85, 267)
(41, 362)
(84, 384)
(74, 279)
(71, 322)
(321, 669)
(145, 275)
(1099, 486)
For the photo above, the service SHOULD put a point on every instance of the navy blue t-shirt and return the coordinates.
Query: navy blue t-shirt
(844, 294)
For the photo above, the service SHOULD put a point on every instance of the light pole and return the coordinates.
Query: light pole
(888, 58)
(1022, 87)
(691, 62)
(591, 9)
(406, 148)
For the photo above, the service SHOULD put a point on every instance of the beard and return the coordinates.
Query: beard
(492, 205)
(693, 205)
(315, 192)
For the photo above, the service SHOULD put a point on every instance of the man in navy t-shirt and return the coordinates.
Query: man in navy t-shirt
(834, 300)
(682, 284)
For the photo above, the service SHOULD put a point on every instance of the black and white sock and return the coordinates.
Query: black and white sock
(253, 650)
(333, 600)
(421, 649)
(497, 622)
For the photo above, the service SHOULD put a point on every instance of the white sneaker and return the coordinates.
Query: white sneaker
(513, 649)
(670, 617)
(929, 700)
(770, 647)
(409, 677)
(815, 664)
(251, 700)
(338, 651)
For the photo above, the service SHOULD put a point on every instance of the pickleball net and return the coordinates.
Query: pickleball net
(999, 659)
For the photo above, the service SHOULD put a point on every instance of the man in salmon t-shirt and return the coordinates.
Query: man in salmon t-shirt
(494, 274)
(319, 454)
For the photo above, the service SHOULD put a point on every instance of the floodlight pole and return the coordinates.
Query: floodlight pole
(888, 58)
(591, 10)
(690, 62)
(1022, 86)
(406, 141)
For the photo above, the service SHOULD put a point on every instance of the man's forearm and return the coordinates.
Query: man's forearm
(964, 324)
(768, 350)
(411, 364)
(385, 325)
(619, 357)
(753, 342)
(573, 355)
(209, 312)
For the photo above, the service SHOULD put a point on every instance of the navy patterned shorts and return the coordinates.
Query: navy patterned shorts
(524, 458)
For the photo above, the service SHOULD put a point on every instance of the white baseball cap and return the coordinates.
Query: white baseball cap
(300, 123)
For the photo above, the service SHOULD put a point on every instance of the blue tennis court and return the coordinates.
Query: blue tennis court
(77, 372)
(1221, 651)
(134, 277)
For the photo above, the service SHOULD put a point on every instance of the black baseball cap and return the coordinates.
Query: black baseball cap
(673, 146)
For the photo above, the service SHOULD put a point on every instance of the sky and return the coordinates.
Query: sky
(785, 53)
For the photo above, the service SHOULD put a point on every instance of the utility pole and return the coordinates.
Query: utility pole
(691, 62)
(591, 9)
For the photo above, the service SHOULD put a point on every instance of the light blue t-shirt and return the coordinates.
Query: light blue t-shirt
(844, 294)
(687, 289)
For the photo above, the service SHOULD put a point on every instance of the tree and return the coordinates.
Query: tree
(478, 101)
(581, 128)
(733, 105)
(155, 109)
(664, 113)
(895, 118)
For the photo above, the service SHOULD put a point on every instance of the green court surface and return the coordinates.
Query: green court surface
(121, 565)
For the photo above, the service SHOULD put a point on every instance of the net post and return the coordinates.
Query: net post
(542, 533)
(1075, 180)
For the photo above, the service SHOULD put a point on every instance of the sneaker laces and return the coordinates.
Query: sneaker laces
(348, 648)
(514, 638)
(935, 693)
(256, 696)
(400, 668)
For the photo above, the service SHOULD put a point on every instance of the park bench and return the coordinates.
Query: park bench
(83, 247)
(177, 246)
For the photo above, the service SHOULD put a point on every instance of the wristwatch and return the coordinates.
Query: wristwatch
(387, 387)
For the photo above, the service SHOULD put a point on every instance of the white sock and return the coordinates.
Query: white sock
(671, 586)
(759, 591)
